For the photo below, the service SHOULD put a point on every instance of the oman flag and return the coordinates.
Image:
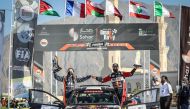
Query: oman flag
(138, 10)
(95, 9)
(47, 9)
(160, 10)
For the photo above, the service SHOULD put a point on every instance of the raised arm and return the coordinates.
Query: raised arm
(57, 68)
(82, 79)
(58, 78)
(127, 74)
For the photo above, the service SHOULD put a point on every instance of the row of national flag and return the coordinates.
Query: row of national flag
(74, 8)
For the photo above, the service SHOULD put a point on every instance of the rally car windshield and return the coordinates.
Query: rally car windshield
(94, 97)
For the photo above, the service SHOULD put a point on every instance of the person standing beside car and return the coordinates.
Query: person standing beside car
(165, 93)
(69, 80)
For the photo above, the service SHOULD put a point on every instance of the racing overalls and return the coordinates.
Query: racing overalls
(69, 83)
(118, 82)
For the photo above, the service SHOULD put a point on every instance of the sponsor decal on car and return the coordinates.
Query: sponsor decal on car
(49, 107)
(137, 107)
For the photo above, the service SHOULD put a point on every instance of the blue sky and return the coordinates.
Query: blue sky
(58, 5)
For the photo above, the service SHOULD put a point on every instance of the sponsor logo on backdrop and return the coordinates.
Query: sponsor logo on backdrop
(22, 54)
(26, 13)
(73, 34)
(108, 34)
(187, 69)
(44, 42)
(86, 34)
(146, 32)
(43, 31)
(97, 44)
(25, 33)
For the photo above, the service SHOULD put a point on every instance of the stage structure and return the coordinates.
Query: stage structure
(2, 20)
(90, 49)
(23, 21)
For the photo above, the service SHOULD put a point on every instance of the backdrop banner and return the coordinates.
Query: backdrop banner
(25, 20)
(89, 37)
(185, 45)
(23, 35)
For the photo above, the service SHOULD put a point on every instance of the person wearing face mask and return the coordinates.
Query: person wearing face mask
(69, 80)
(118, 80)
(165, 93)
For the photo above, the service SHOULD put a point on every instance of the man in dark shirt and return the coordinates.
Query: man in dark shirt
(184, 95)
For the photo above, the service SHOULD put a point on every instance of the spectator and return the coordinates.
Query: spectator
(165, 93)
(184, 95)
(0, 103)
(3, 102)
(6, 101)
(14, 103)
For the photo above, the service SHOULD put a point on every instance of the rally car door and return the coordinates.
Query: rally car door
(39, 99)
(145, 99)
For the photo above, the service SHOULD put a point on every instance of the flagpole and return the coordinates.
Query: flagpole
(149, 74)
(129, 11)
(56, 80)
(144, 75)
(154, 12)
(85, 12)
(65, 11)
(39, 6)
(51, 90)
(179, 44)
(106, 16)
(10, 53)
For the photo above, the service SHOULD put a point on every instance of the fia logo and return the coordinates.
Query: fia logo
(25, 33)
(22, 54)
